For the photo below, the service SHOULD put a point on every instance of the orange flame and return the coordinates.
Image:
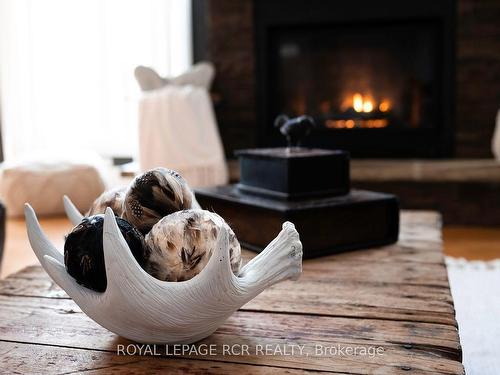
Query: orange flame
(362, 104)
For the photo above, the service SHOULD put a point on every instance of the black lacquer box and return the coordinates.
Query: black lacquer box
(294, 173)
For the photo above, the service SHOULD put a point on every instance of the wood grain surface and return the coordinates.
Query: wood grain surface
(395, 298)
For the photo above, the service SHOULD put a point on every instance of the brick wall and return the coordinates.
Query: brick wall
(477, 76)
(231, 49)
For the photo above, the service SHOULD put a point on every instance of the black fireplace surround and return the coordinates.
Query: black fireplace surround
(377, 76)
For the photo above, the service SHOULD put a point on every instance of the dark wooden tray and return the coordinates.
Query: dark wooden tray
(328, 225)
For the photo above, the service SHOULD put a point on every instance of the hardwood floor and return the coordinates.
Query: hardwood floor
(472, 243)
(17, 251)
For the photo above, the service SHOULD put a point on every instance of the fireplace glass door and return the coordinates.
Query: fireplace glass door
(373, 77)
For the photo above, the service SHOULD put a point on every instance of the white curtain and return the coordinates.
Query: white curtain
(66, 70)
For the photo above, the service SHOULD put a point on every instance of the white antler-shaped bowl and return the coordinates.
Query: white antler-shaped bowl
(139, 307)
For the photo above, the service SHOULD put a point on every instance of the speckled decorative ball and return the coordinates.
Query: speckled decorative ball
(153, 195)
(182, 243)
(83, 251)
(110, 198)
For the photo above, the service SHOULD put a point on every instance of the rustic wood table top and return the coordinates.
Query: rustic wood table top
(392, 306)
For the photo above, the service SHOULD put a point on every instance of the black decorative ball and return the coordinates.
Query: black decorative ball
(84, 255)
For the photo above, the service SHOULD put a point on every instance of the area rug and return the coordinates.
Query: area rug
(475, 287)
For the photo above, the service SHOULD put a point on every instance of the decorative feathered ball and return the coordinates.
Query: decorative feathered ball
(83, 251)
(179, 240)
(182, 243)
(153, 195)
(110, 198)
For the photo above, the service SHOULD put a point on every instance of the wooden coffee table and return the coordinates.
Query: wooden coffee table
(391, 306)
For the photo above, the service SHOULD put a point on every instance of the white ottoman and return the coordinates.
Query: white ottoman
(43, 184)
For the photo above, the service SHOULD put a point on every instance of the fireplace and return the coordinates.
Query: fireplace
(377, 76)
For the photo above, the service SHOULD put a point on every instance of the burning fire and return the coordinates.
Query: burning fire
(357, 102)
(384, 106)
(349, 124)
(361, 104)
(356, 111)
(368, 116)
(366, 104)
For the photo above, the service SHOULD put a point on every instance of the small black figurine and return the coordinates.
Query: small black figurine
(294, 129)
